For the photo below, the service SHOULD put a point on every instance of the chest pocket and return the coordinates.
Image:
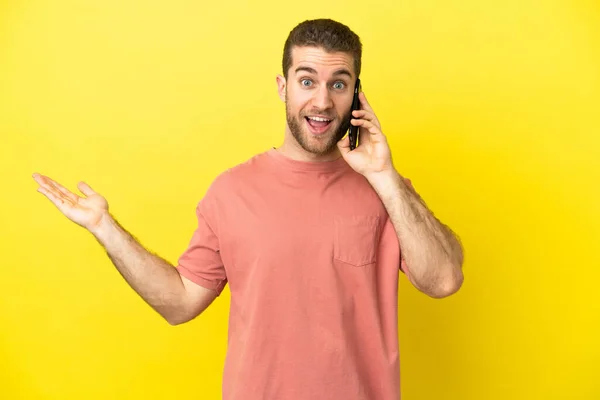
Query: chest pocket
(355, 239)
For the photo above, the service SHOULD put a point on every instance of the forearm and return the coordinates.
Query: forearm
(431, 251)
(153, 278)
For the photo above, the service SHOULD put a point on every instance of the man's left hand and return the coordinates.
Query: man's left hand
(372, 156)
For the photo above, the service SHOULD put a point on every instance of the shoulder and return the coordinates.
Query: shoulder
(233, 177)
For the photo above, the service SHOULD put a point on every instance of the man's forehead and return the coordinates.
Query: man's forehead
(321, 60)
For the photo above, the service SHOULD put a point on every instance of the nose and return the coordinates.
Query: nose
(322, 98)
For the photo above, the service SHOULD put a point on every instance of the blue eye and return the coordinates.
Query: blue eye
(305, 82)
(339, 85)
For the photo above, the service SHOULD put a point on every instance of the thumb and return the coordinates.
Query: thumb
(85, 189)
(344, 145)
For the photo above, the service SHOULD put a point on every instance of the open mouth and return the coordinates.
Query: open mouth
(318, 125)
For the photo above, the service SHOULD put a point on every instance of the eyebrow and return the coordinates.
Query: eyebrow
(342, 71)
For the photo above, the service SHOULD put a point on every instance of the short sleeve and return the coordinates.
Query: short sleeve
(201, 261)
(403, 266)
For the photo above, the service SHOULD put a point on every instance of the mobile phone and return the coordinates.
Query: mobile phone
(353, 134)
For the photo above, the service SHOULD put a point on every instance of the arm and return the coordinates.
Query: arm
(431, 252)
(173, 296)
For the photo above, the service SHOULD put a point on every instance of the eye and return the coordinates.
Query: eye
(306, 82)
(339, 85)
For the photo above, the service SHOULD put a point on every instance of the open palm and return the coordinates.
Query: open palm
(85, 211)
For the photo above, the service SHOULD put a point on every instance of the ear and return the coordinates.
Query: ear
(281, 87)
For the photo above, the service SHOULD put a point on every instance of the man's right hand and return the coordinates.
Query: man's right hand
(87, 211)
(172, 295)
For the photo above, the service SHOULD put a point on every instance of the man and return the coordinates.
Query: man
(306, 235)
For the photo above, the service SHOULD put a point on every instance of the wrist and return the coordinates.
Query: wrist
(385, 178)
(105, 228)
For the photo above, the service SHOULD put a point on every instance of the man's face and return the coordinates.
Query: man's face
(318, 95)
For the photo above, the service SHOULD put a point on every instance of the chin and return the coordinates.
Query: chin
(318, 145)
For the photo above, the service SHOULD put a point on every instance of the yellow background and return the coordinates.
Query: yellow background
(491, 108)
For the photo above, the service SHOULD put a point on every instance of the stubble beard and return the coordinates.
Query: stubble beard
(328, 141)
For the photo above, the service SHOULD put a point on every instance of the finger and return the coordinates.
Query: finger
(368, 125)
(61, 190)
(344, 145)
(61, 202)
(364, 114)
(364, 103)
(46, 183)
(40, 179)
(85, 189)
(66, 192)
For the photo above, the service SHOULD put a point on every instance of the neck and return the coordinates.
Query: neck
(292, 149)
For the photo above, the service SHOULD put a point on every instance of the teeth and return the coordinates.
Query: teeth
(319, 119)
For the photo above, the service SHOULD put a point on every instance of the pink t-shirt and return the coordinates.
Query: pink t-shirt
(312, 263)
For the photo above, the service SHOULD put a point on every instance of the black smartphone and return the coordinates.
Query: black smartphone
(353, 134)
